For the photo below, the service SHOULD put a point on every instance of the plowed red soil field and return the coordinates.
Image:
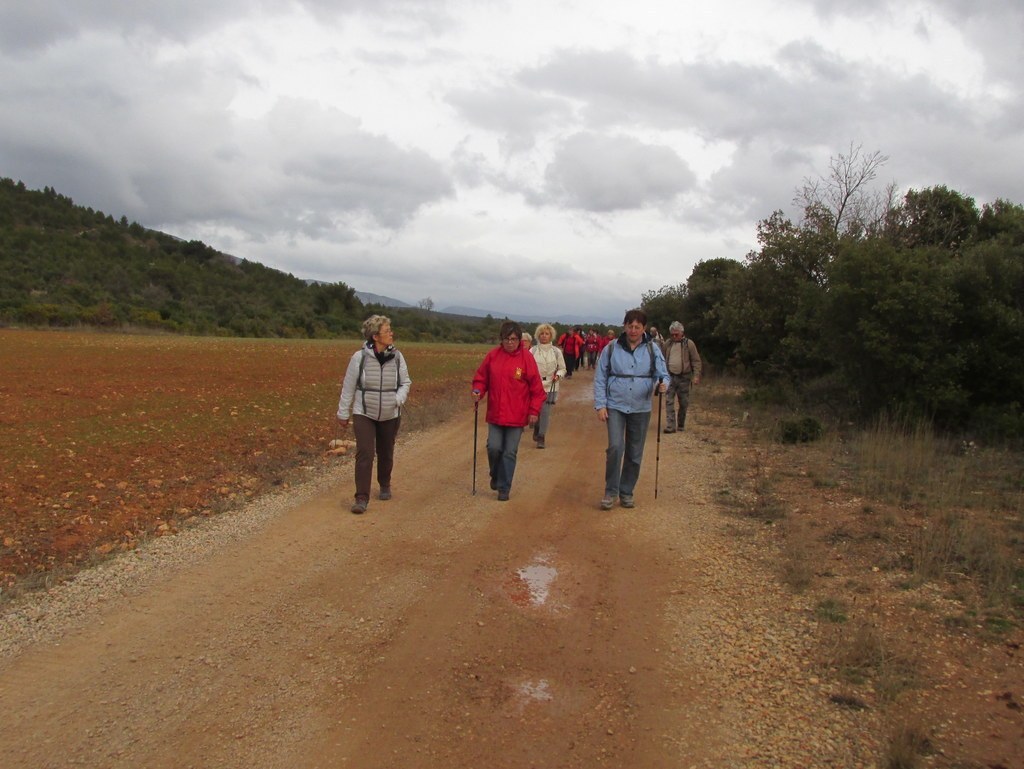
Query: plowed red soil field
(108, 439)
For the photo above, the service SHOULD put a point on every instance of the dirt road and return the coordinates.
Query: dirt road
(443, 629)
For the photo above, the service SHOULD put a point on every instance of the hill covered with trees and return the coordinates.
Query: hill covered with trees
(66, 265)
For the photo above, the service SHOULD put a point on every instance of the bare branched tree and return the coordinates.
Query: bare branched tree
(426, 304)
(842, 201)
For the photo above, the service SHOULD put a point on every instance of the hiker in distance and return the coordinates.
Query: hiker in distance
(551, 364)
(375, 387)
(684, 368)
(570, 342)
(509, 377)
(629, 371)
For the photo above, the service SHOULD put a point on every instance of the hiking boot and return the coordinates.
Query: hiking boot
(540, 442)
(494, 485)
(385, 493)
(670, 430)
(607, 501)
(359, 506)
(626, 500)
(503, 496)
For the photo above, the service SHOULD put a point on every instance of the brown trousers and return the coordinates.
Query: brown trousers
(374, 438)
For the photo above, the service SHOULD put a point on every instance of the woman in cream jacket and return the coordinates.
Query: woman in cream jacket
(551, 363)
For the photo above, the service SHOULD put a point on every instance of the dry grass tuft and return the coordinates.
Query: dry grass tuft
(866, 655)
(907, 744)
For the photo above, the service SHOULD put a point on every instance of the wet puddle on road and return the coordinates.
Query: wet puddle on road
(531, 584)
(541, 587)
(534, 691)
(530, 694)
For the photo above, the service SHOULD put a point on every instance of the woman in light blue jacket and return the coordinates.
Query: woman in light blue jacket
(628, 372)
(376, 386)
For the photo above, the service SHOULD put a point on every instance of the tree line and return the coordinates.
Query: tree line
(910, 308)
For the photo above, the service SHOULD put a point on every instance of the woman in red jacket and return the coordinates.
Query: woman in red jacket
(572, 344)
(509, 378)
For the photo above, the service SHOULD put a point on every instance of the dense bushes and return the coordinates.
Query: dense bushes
(920, 315)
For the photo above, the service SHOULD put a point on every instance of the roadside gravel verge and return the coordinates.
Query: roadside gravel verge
(46, 616)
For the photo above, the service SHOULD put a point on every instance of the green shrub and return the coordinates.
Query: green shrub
(803, 430)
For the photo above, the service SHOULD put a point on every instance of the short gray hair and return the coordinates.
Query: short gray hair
(676, 326)
(373, 325)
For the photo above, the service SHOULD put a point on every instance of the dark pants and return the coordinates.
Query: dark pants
(570, 363)
(678, 389)
(502, 450)
(374, 438)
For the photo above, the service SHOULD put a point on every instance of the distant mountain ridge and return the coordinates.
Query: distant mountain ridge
(475, 312)
(367, 298)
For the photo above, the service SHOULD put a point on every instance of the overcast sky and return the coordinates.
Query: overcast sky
(531, 158)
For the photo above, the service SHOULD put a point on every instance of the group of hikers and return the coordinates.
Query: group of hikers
(582, 348)
(520, 380)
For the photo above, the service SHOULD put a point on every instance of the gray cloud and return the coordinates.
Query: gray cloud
(184, 159)
(504, 283)
(761, 179)
(802, 96)
(786, 118)
(997, 43)
(328, 163)
(29, 26)
(516, 113)
(613, 173)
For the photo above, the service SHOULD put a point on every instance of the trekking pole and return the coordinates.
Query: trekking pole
(657, 452)
(476, 414)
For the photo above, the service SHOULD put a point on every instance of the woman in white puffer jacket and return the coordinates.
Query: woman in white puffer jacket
(375, 387)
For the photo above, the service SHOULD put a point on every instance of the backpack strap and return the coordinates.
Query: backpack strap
(609, 375)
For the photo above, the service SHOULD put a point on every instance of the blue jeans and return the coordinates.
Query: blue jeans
(627, 434)
(502, 449)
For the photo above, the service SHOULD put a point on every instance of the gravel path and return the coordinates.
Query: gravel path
(672, 644)
(44, 617)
